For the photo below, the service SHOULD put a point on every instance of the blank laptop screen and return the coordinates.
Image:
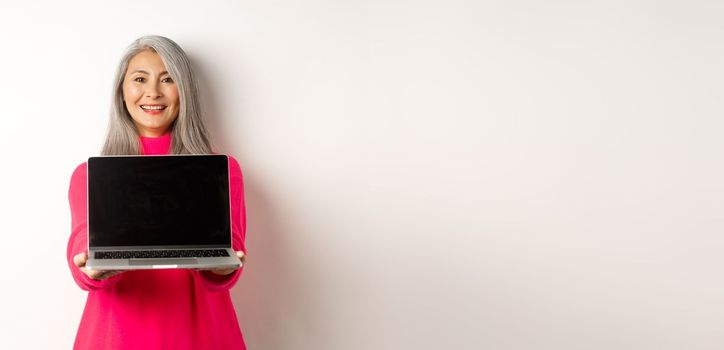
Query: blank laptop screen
(143, 201)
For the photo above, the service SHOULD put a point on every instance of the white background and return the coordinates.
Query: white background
(420, 174)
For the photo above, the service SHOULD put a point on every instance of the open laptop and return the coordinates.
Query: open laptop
(156, 212)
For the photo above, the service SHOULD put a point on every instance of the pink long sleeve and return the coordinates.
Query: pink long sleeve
(78, 242)
(157, 309)
(238, 230)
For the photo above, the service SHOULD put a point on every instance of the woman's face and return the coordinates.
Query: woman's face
(150, 94)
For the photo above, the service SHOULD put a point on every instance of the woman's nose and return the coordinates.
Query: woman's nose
(152, 90)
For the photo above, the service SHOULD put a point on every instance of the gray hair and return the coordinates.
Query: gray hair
(189, 135)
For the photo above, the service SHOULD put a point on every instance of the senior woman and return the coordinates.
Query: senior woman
(155, 110)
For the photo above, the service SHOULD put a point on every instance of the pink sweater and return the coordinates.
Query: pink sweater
(156, 309)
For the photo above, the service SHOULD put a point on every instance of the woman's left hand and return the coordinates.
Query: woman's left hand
(224, 272)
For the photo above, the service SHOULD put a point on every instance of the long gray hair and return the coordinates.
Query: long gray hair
(189, 135)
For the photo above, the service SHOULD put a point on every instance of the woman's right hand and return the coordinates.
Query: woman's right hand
(99, 275)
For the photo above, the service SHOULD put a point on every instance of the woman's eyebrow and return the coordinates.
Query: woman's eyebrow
(147, 73)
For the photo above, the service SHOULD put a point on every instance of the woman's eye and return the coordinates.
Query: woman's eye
(139, 79)
(167, 80)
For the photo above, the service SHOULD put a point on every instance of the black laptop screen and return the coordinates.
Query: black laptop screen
(159, 201)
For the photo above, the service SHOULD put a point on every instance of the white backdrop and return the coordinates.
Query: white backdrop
(420, 174)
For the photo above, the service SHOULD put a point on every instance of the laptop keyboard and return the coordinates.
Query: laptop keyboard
(154, 254)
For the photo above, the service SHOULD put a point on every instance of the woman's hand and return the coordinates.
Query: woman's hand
(99, 275)
(224, 272)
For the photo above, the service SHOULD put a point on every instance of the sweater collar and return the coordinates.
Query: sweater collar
(156, 145)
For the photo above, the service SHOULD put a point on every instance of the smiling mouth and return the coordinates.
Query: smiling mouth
(153, 107)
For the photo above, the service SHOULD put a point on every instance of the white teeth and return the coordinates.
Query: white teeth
(154, 108)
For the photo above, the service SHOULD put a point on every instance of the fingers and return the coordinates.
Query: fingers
(80, 259)
(94, 274)
(104, 274)
(101, 274)
(222, 272)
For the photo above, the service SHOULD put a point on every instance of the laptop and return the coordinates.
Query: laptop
(159, 212)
